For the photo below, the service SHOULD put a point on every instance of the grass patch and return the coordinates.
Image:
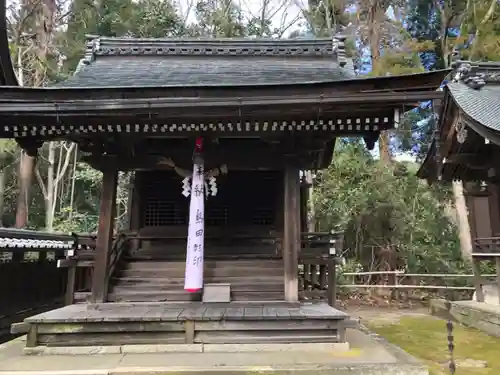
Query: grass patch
(426, 339)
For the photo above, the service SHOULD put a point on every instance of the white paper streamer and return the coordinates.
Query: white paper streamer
(193, 279)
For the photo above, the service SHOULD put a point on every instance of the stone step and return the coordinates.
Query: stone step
(157, 287)
(208, 264)
(208, 273)
(176, 296)
(232, 248)
(139, 256)
(234, 281)
(161, 296)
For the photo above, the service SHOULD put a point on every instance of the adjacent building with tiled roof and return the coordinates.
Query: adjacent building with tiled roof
(467, 137)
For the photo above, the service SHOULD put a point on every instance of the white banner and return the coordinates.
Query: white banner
(193, 279)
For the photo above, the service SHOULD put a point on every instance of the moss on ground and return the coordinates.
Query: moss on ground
(426, 339)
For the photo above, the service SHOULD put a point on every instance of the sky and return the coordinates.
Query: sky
(284, 13)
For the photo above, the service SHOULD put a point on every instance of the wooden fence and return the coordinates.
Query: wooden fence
(30, 281)
(401, 284)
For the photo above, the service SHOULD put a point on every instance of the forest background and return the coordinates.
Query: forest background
(391, 219)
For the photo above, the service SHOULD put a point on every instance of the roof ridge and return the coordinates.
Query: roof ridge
(478, 64)
(120, 46)
(476, 74)
(222, 41)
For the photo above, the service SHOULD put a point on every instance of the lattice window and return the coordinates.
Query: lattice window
(243, 198)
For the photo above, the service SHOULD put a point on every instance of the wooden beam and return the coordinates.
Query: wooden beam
(104, 235)
(448, 141)
(64, 102)
(485, 158)
(243, 160)
(291, 233)
(478, 281)
(429, 81)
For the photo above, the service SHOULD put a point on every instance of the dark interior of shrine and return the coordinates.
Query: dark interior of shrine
(243, 199)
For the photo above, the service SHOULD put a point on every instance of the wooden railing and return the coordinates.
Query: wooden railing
(317, 263)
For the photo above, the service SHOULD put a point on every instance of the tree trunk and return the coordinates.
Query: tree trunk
(462, 221)
(384, 147)
(26, 171)
(376, 13)
(49, 198)
(311, 214)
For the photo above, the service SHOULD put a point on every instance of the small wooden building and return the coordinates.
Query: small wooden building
(266, 110)
(466, 147)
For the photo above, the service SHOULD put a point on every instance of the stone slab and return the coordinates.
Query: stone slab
(186, 348)
(174, 348)
(368, 355)
(72, 350)
(259, 348)
(219, 293)
(479, 315)
(270, 370)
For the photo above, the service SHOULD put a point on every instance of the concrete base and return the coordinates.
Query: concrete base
(187, 348)
(243, 370)
(368, 355)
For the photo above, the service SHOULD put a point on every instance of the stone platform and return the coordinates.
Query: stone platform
(368, 355)
(480, 315)
(118, 324)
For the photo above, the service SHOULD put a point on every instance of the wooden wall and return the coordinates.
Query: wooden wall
(484, 211)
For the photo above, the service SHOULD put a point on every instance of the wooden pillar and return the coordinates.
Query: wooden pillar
(332, 281)
(104, 235)
(134, 211)
(477, 279)
(291, 232)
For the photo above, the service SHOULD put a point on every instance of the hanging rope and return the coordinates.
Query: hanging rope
(451, 345)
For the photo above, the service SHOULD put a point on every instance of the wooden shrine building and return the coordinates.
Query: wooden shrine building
(466, 147)
(265, 109)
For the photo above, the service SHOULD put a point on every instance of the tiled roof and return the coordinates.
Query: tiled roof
(476, 90)
(481, 105)
(112, 62)
(6, 243)
(28, 239)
